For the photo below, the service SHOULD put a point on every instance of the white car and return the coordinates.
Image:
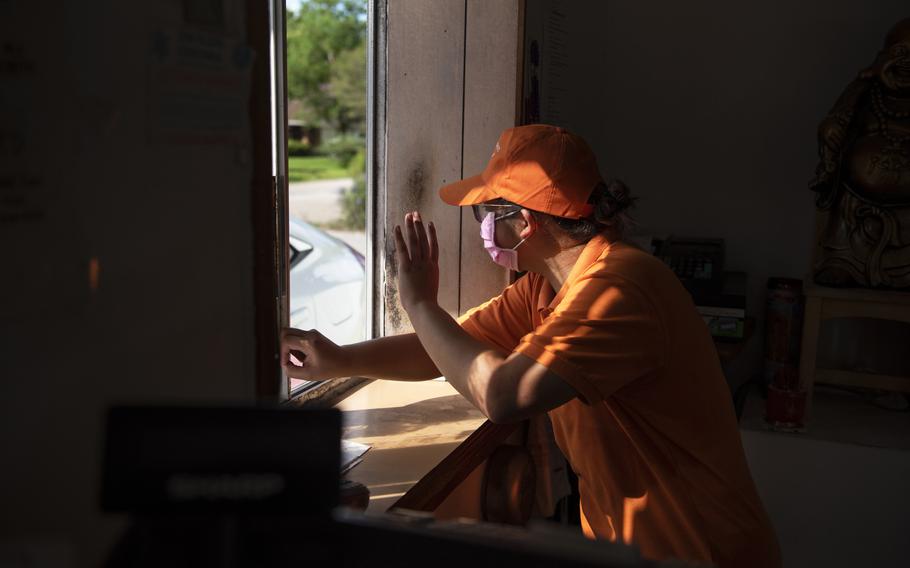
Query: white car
(328, 291)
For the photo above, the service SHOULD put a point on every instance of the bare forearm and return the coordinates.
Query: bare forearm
(467, 363)
(396, 357)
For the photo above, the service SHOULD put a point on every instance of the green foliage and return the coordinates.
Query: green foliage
(354, 205)
(358, 164)
(325, 49)
(348, 84)
(299, 148)
(354, 200)
(344, 148)
(309, 168)
(326, 72)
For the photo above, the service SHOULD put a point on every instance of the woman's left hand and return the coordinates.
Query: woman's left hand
(417, 251)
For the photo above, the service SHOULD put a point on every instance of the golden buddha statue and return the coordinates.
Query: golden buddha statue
(863, 175)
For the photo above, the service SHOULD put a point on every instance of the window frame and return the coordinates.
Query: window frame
(330, 393)
(464, 33)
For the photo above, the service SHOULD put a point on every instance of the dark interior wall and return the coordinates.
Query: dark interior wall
(708, 110)
(169, 224)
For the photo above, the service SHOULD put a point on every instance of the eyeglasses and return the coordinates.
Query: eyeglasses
(484, 209)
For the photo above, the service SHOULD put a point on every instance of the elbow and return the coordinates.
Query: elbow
(501, 415)
(500, 405)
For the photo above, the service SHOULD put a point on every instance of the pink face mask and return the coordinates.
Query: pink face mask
(507, 257)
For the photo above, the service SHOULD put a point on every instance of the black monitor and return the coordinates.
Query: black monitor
(167, 459)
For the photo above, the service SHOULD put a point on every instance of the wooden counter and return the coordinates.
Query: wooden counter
(411, 427)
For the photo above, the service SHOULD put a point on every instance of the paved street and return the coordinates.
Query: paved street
(317, 202)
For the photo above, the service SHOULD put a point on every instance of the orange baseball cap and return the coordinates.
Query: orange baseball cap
(544, 168)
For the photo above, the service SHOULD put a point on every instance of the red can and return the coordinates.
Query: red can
(783, 321)
(785, 407)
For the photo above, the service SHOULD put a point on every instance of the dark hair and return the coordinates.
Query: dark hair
(612, 201)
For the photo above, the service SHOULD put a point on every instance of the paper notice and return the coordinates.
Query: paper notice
(199, 84)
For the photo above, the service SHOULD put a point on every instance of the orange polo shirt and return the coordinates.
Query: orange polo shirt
(652, 435)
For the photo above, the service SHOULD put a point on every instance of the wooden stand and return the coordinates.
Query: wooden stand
(824, 303)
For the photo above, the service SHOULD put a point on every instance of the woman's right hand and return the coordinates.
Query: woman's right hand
(310, 356)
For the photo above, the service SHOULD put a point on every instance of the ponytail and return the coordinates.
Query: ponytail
(612, 201)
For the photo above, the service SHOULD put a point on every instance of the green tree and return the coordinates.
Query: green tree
(354, 200)
(348, 85)
(319, 37)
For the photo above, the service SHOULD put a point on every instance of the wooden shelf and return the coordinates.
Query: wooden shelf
(855, 294)
(823, 303)
(865, 380)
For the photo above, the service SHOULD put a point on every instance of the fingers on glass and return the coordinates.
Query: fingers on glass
(417, 241)
(401, 249)
(424, 246)
(434, 243)
(413, 244)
